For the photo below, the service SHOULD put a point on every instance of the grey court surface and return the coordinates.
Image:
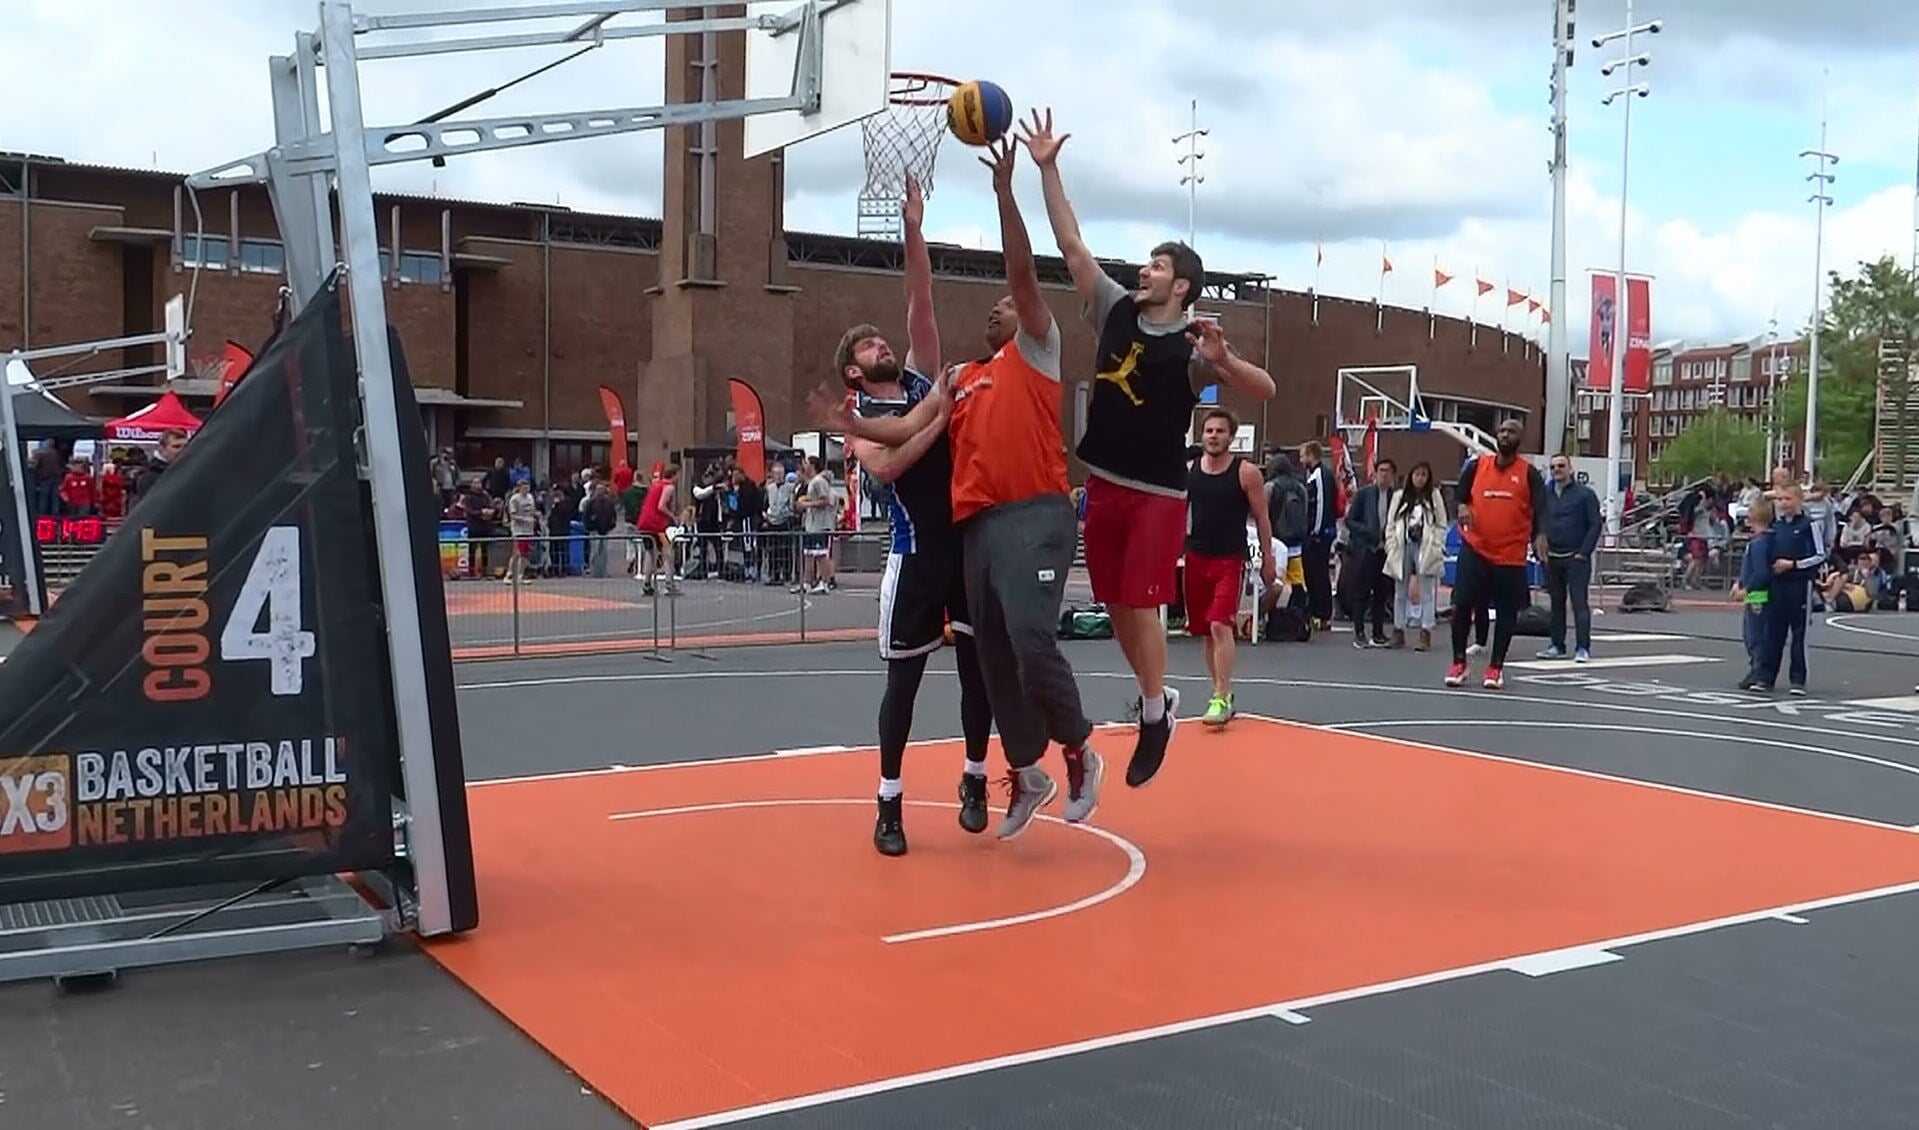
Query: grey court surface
(1770, 1023)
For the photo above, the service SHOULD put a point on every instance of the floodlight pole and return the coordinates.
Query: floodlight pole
(1622, 321)
(313, 150)
(1821, 180)
(1558, 355)
(1192, 179)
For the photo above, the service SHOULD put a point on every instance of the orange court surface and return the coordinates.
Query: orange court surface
(698, 940)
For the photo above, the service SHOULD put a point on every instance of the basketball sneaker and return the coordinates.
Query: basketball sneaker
(1495, 679)
(1030, 789)
(972, 798)
(1150, 751)
(1456, 675)
(1085, 770)
(889, 831)
(1219, 710)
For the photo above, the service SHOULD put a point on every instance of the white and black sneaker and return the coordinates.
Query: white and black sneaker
(1149, 752)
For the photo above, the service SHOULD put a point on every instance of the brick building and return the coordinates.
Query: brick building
(513, 315)
(1689, 380)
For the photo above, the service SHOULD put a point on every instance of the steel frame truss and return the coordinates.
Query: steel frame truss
(319, 160)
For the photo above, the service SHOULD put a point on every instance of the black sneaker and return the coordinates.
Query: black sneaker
(1149, 753)
(972, 796)
(889, 832)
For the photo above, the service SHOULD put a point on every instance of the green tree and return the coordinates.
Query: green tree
(1718, 441)
(1880, 302)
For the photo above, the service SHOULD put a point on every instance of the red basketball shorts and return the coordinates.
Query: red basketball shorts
(1133, 541)
(1212, 591)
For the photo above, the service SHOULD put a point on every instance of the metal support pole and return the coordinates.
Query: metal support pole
(1558, 356)
(1192, 180)
(1622, 320)
(1821, 180)
(386, 469)
(21, 520)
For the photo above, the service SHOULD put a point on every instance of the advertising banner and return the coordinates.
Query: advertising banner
(749, 425)
(1604, 333)
(615, 426)
(208, 701)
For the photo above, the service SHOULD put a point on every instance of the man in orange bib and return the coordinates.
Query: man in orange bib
(1502, 514)
(1018, 527)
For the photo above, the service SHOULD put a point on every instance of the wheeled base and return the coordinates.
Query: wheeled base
(87, 941)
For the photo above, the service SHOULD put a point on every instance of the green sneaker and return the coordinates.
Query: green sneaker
(1219, 711)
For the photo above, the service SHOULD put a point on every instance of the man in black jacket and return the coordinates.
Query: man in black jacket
(1573, 526)
(1369, 592)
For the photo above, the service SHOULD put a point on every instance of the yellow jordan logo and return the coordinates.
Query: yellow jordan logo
(1123, 375)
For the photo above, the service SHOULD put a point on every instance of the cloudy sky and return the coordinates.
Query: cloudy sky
(1416, 125)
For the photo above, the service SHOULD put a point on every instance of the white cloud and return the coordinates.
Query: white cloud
(1353, 129)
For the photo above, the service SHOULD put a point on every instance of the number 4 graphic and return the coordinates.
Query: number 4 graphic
(272, 589)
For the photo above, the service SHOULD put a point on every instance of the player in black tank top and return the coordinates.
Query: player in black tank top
(1223, 493)
(1217, 510)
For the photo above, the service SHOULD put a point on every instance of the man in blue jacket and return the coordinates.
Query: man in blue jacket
(1573, 527)
(1798, 550)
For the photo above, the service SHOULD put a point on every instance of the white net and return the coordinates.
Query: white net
(905, 137)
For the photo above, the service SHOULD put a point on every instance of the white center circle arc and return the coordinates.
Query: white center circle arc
(1135, 861)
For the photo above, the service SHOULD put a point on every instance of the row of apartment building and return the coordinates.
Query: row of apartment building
(1689, 380)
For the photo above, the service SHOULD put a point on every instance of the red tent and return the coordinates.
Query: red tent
(146, 425)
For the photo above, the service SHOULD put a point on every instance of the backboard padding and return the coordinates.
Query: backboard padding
(856, 66)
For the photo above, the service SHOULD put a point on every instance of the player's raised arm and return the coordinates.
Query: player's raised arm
(1044, 146)
(922, 322)
(1022, 274)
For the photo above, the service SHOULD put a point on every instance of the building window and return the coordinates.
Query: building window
(263, 257)
(415, 267)
(208, 251)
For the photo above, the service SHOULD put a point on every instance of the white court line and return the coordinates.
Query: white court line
(1563, 961)
(1734, 714)
(1100, 1043)
(1636, 637)
(1655, 731)
(1906, 703)
(1135, 860)
(1604, 661)
(1794, 919)
(811, 750)
(1838, 620)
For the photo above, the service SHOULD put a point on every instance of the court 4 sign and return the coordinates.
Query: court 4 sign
(208, 700)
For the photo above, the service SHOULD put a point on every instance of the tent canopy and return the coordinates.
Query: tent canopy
(149, 423)
(38, 414)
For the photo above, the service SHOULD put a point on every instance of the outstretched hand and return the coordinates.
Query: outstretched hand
(1210, 339)
(1001, 157)
(913, 210)
(1039, 139)
(831, 408)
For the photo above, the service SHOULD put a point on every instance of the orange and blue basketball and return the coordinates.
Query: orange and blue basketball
(979, 112)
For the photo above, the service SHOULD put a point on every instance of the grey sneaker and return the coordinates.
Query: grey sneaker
(1084, 772)
(1032, 789)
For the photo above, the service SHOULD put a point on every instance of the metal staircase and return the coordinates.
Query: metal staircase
(1895, 438)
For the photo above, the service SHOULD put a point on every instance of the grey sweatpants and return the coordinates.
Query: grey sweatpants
(1017, 558)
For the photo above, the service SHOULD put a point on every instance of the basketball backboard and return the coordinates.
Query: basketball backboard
(856, 65)
(1387, 395)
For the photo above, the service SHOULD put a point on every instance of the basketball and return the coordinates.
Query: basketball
(979, 112)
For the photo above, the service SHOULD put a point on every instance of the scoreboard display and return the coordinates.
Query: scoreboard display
(70, 531)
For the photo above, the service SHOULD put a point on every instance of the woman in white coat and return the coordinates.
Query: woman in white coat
(1415, 523)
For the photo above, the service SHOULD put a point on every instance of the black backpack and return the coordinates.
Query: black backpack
(1286, 508)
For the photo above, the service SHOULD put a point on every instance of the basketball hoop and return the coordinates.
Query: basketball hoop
(905, 137)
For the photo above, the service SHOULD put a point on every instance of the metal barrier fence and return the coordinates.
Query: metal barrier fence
(630, 592)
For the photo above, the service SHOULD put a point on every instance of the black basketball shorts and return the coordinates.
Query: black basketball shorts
(919, 592)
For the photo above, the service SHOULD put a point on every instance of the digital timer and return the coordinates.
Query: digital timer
(70, 531)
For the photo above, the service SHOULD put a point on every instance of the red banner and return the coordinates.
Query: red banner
(235, 360)
(1604, 331)
(749, 424)
(615, 426)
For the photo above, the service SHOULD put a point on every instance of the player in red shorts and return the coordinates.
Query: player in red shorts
(1222, 492)
(1152, 360)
